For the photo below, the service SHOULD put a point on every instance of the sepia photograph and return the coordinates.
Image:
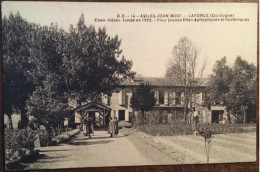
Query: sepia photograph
(97, 84)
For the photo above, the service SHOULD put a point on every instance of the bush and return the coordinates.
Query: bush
(166, 130)
(18, 142)
(45, 138)
(180, 128)
(228, 128)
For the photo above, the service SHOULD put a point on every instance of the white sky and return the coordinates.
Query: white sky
(150, 45)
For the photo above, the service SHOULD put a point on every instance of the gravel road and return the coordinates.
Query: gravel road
(100, 150)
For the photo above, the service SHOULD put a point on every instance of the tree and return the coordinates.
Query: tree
(143, 99)
(92, 62)
(183, 67)
(219, 83)
(234, 87)
(242, 91)
(40, 61)
(16, 34)
(49, 103)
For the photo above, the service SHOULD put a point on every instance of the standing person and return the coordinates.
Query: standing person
(111, 127)
(116, 126)
(195, 121)
(85, 125)
(91, 125)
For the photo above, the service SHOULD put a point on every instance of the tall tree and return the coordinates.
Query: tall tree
(16, 34)
(234, 87)
(219, 83)
(143, 99)
(93, 62)
(183, 67)
(40, 61)
(242, 93)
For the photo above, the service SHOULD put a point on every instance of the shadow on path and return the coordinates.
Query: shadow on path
(101, 137)
(55, 150)
(81, 143)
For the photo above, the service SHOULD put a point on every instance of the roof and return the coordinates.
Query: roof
(162, 81)
(88, 105)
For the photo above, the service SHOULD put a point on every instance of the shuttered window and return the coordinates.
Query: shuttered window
(182, 98)
(172, 98)
(123, 97)
(156, 95)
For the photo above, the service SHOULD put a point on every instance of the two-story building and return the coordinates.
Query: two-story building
(168, 93)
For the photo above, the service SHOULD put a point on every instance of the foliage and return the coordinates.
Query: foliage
(16, 33)
(166, 130)
(143, 99)
(181, 128)
(219, 82)
(93, 58)
(17, 142)
(233, 87)
(45, 66)
(48, 103)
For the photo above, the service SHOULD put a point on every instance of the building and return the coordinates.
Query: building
(168, 94)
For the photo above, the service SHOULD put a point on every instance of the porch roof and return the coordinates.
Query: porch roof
(93, 106)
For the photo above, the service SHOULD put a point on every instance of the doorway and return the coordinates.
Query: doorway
(217, 116)
(121, 115)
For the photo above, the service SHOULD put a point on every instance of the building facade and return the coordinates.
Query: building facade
(168, 93)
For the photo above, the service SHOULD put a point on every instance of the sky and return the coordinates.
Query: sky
(149, 45)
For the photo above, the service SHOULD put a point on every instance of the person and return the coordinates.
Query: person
(195, 121)
(111, 127)
(91, 126)
(116, 126)
(87, 126)
(84, 125)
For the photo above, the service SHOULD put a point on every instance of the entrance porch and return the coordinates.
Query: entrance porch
(98, 112)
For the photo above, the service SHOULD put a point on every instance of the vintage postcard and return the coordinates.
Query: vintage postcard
(128, 84)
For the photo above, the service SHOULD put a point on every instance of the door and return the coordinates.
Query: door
(121, 114)
(217, 115)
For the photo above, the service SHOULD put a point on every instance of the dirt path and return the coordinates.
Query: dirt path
(100, 150)
(131, 148)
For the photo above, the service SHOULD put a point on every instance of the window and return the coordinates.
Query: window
(161, 97)
(178, 98)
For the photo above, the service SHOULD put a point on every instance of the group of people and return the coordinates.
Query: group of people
(88, 126)
(113, 126)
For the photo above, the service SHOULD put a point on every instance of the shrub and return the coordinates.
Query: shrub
(18, 142)
(228, 128)
(45, 137)
(166, 130)
(180, 128)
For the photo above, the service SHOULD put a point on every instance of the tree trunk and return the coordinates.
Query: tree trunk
(244, 116)
(10, 123)
(24, 119)
(142, 118)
